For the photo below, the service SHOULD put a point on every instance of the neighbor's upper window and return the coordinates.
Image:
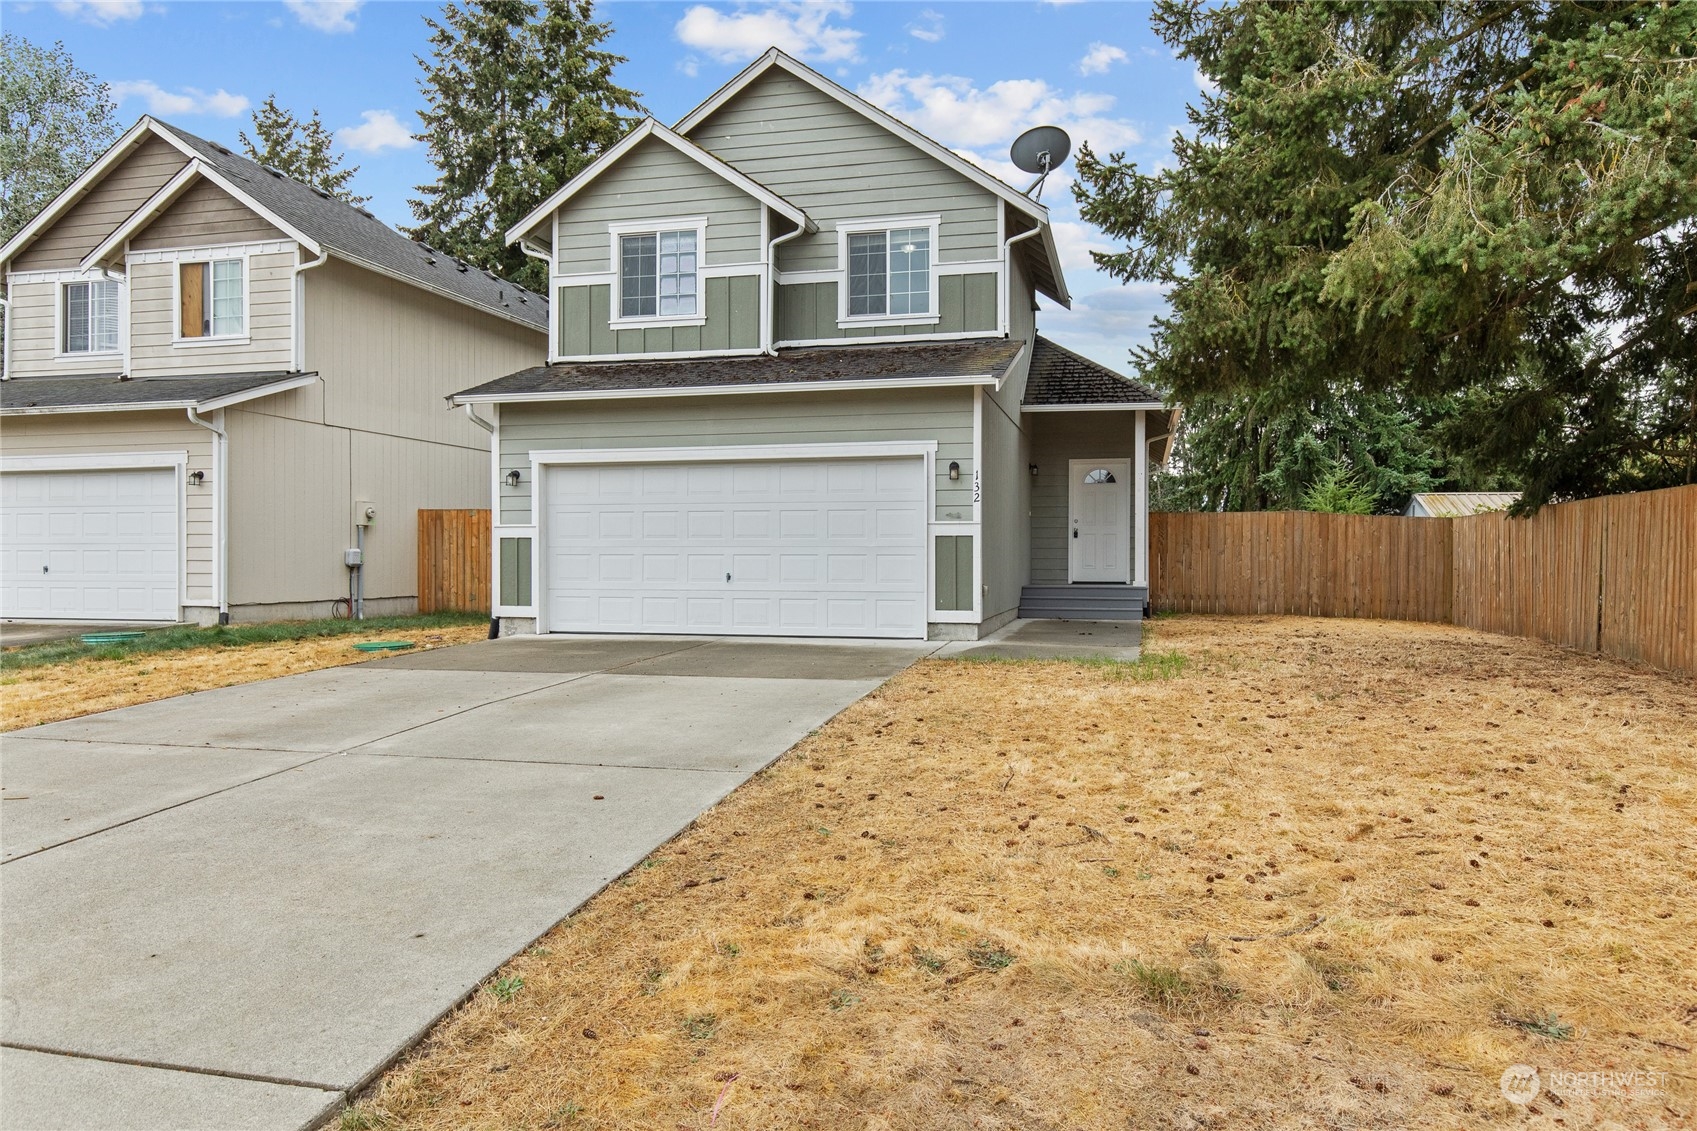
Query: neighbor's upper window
(889, 272)
(90, 319)
(657, 275)
(211, 299)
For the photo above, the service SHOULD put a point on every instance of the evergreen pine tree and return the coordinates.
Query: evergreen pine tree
(300, 150)
(520, 97)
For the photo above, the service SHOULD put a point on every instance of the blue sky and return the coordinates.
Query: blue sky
(972, 75)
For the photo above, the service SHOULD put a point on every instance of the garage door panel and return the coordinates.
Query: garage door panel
(811, 547)
(91, 545)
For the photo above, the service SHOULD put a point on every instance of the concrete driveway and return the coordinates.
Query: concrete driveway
(230, 909)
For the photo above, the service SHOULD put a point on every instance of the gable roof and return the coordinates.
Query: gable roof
(651, 128)
(1062, 379)
(319, 221)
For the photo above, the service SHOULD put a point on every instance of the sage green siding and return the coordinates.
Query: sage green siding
(837, 165)
(943, 415)
(515, 571)
(965, 303)
(954, 572)
(656, 182)
(732, 308)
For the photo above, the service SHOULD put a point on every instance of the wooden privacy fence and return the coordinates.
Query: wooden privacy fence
(1615, 574)
(453, 561)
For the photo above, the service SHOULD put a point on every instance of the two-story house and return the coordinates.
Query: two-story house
(219, 380)
(794, 387)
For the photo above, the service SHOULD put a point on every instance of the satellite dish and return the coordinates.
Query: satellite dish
(1040, 150)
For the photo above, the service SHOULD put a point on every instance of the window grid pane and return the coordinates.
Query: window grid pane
(638, 276)
(103, 316)
(677, 274)
(868, 273)
(227, 296)
(910, 271)
(76, 318)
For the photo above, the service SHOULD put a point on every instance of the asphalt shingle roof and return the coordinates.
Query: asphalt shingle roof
(22, 393)
(917, 361)
(356, 234)
(1061, 377)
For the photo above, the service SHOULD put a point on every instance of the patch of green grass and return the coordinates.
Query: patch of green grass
(1549, 1026)
(931, 962)
(729, 949)
(560, 1116)
(356, 1119)
(185, 638)
(651, 980)
(507, 988)
(842, 999)
(1171, 989)
(701, 1026)
(986, 955)
(1148, 667)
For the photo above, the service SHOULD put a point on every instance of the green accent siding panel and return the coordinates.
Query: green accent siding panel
(954, 572)
(627, 341)
(745, 311)
(515, 571)
(807, 312)
(980, 302)
(601, 338)
(951, 298)
(733, 322)
(576, 321)
(716, 335)
(686, 338)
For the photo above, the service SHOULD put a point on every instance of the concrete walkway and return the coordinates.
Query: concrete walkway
(232, 908)
(1054, 640)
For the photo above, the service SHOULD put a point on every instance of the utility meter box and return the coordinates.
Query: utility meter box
(353, 558)
(365, 512)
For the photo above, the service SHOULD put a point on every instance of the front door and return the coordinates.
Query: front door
(1099, 537)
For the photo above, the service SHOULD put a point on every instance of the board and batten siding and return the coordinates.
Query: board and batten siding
(204, 216)
(268, 344)
(837, 165)
(656, 182)
(943, 415)
(72, 434)
(730, 304)
(807, 312)
(1055, 440)
(125, 188)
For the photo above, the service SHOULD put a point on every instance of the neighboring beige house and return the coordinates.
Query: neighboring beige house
(218, 380)
(795, 387)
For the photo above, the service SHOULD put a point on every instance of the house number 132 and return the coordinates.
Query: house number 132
(977, 488)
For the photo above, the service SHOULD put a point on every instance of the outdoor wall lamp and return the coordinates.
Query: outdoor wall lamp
(1033, 469)
(197, 477)
(954, 469)
(513, 477)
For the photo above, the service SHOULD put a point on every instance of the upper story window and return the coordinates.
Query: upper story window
(657, 274)
(889, 272)
(212, 299)
(90, 317)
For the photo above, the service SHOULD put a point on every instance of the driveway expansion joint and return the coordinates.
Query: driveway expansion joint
(166, 1066)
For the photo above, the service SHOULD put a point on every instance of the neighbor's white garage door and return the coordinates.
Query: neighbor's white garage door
(89, 545)
(811, 547)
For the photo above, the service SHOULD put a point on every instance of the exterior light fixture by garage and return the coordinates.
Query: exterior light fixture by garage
(513, 478)
(1033, 468)
(954, 469)
(197, 477)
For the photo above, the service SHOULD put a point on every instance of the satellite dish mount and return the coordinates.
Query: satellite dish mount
(1040, 150)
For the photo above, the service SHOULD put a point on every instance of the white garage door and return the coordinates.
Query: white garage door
(813, 547)
(89, 545)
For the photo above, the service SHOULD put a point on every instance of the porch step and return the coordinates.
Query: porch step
(1083, 602)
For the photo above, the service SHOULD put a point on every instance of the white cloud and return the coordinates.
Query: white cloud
(1203, 83)
(928, 27)
(332, 16)
(381, 130)
(1105, 324)
(1100, 57)
(102, 13)
(957, 113)
(189, 100)
(804, 30)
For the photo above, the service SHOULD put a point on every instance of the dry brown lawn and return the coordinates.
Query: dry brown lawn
(1334, 874)
(32, 696)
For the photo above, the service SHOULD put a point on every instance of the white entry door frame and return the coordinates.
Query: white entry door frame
(1099, 521)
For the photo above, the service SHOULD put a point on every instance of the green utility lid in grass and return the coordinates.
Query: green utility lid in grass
(110, 637)
(383, 645)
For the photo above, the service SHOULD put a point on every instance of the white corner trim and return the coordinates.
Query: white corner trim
(726, 453)
(95, 461)
(730, 390)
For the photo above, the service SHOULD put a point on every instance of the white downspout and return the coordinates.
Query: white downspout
(1007, 273)
(553, 323)
(298, 346)
(1140, 476)
(220, 508)
(6, 346)
(768, 324)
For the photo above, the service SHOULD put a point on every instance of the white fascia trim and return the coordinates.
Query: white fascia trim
(151, 406)
(62, 275)
(150, 208)
(285, 385)
(736, 453)
(731, 390)
(94, 461)
(851, 340)
(209, 251)
(1139, 406)
(119, 150)
(854, 102)
(652, 128)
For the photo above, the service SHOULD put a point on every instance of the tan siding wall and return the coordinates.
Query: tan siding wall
(35, 336)
(944, 415)
(270, 323)
(290, 509)
(103, 433)
(837, 165)
(203, 215)
(124, 189)
(656, 182)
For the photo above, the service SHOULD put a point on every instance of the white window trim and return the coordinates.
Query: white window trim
(177, 265)
(60, 353)
(846, 228)
(615, 318)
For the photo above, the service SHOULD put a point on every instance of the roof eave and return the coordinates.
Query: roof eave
(459, 399)
(208, 404)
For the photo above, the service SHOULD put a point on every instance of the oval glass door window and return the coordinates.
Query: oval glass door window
(1100, 475)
